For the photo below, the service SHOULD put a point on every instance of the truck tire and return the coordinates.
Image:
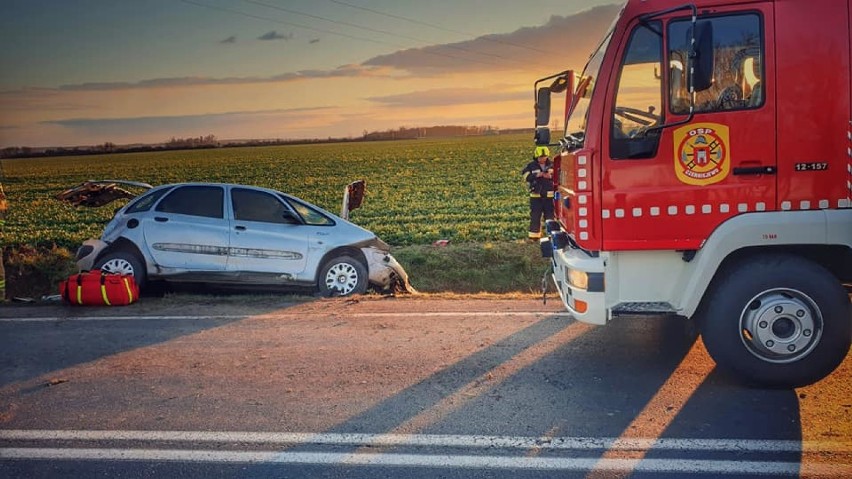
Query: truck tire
(123, 262)
(777, 320)
(342, 276)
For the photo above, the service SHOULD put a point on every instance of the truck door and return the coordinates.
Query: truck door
(669, 187)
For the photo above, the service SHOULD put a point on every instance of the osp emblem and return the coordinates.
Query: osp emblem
(701, 153)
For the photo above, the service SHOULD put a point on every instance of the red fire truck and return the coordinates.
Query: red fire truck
(706, 172)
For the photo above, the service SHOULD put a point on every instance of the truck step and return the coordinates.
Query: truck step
(643, 308)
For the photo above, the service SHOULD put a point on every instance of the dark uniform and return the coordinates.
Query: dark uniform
(539, 177)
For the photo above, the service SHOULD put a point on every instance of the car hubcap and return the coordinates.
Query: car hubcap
(118, 266)
(342, 277)
(781, 325)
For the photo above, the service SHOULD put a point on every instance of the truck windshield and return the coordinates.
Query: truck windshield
(576, 124)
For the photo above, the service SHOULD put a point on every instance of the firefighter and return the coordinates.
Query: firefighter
(539, 177)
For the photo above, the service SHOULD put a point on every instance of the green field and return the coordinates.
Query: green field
(418, 191)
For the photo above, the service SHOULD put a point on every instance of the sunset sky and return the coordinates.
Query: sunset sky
(84, 72)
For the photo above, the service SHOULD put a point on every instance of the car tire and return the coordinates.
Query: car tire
(123, 262)
(778, 320)
(342, 276)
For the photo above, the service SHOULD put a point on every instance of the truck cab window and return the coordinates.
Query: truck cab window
(638, 99)
(737, 70)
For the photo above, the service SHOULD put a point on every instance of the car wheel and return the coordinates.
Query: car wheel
(123, 262)
(778, 321)
(343, 276)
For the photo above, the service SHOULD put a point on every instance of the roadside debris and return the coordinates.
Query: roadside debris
(98, 193)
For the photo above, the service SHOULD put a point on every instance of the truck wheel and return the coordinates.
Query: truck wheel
(778, 321)
(123, 262)
(342, 276)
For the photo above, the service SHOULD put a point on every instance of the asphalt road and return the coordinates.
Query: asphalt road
(484, 388)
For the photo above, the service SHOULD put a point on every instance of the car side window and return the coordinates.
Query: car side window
(310, 215)
(253, 205)
(198, 200)
(737, 65)
(145, 202)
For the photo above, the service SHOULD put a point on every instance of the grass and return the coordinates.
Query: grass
(505, 267)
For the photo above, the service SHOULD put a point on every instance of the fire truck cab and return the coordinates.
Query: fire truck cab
(705, 171)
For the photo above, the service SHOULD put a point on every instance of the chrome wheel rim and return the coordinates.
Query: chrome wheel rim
(342, 278)
(781, 325)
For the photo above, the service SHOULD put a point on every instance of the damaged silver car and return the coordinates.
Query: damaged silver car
(235, 235)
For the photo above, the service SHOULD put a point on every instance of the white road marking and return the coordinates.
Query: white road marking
(496, 314)
(428, 460)
(435, 440)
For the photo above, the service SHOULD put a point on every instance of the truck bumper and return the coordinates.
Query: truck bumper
(579, 278)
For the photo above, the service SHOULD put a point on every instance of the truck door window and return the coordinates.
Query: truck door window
(737, 65)
(638, 99)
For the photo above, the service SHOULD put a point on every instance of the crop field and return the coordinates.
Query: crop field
(418, 191)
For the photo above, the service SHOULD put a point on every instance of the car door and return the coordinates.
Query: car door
(188, 229)
(266, 235)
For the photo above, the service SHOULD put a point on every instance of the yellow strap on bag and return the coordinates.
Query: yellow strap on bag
(103, 290)
(103, 293)
(129, 291)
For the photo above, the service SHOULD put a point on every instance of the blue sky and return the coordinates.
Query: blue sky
(80, 72)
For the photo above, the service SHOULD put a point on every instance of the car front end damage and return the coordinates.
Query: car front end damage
(385, 272)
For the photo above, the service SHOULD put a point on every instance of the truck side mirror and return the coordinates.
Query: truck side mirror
(542, 135)
(701, 56)
(542, 107)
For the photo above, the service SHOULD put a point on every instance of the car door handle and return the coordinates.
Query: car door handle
(754, 170)
(240, 228)
(161, 219)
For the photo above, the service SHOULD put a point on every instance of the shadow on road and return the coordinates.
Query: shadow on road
(638, 378)
(38, 347)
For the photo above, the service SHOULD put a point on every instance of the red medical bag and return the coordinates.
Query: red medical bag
(94, 288)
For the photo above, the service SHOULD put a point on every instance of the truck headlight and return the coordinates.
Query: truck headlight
(578, 279)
